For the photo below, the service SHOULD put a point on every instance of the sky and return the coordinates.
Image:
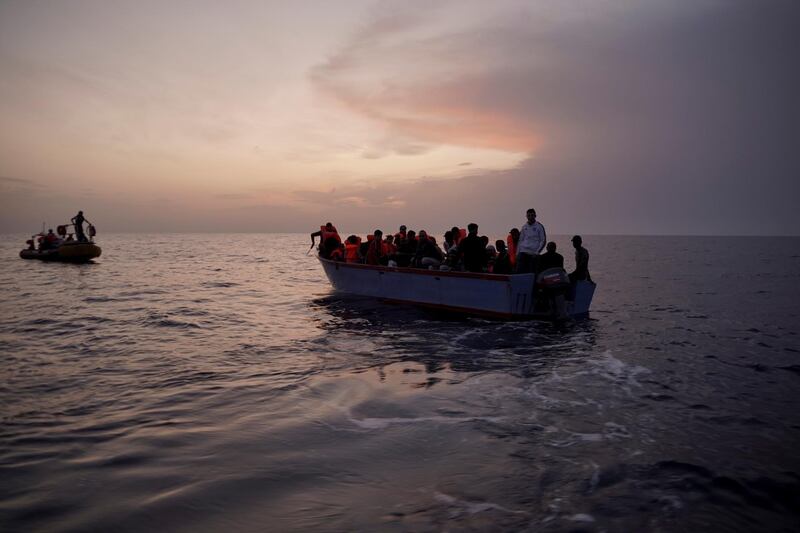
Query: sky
(608, 117)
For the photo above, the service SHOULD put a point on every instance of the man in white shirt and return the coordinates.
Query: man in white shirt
(532, 239)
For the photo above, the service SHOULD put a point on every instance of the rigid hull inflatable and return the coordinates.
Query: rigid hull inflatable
(68, 252)
(492, 295)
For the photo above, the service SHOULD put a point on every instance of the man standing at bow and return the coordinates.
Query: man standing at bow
(532, 239)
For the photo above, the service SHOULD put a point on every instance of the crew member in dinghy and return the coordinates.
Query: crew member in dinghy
(78, 221)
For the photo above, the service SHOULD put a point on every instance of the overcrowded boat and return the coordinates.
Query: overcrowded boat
(504, 296)
(507, 280)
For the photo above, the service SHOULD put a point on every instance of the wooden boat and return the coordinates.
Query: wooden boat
(68, 252)
(492, 295)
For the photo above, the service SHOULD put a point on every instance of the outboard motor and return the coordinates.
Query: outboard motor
(553, 284)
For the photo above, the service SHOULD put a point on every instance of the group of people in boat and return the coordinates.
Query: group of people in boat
(51, 241)
(461, 249)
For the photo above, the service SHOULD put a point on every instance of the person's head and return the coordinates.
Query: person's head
(491, 250)
(378, 234)
(411, 235)
(455, 232)
(448, 236)
(514, 233)
(472, 228)
(50, 230)
(577, 241)
(485, 240)
(80, 213)
(390, 239)
(551, 247)
(531, 214)
(329, 226)
(352, 239)
(403, 228)
(500, 245)
(423, 235)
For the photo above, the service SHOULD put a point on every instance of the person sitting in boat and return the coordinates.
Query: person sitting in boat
(473, 250)
(406, 249)
(458, 234)
(390, 246)
(502, 261)
(31, 244)
(351, 246)
(325, 232)
(512, 242)
(50, 241)
(428, 254)
(400, 236)
(581, 272)
(550, 259)
(331, 248)
(78, 221)
(377, 250)
(448, 242)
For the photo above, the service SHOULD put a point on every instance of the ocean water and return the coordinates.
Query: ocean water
(210, 382)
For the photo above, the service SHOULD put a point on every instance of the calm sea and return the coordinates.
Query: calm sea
(214, 382)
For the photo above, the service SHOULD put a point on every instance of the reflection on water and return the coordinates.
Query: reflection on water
(439, 340)
(208, 382)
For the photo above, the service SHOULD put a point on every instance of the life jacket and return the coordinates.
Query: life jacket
(351, 251)
(325, 234)
(512, 250)
(336, 255)
(376, 251)
(461, 234)
(400, 235)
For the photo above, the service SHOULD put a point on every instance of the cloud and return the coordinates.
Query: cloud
(639, 117)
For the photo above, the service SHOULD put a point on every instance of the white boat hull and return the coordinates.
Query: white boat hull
(500, 296)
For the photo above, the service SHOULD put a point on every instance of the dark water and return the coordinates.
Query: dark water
(210, 382)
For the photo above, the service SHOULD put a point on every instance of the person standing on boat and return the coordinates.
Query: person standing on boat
(532, 239)
(78, 221)
(473, 250)
(581, 272)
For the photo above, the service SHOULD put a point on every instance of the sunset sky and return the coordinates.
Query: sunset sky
(679, 117)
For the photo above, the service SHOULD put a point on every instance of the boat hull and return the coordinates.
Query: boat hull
(66, 253)
(498, 296)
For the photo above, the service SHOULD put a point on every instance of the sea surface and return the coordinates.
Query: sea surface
(215, 383)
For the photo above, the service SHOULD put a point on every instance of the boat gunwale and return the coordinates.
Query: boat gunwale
(422, 271)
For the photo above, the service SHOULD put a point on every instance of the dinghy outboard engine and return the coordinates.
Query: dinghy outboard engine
(553, 284)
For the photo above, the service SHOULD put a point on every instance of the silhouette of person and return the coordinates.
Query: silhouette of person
(581, 271)
(78, 221)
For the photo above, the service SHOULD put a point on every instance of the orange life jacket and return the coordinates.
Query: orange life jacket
(336, 255)
(461, 234)
(351, 251)
(512, 250)
(376, 251)
(325, 234)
